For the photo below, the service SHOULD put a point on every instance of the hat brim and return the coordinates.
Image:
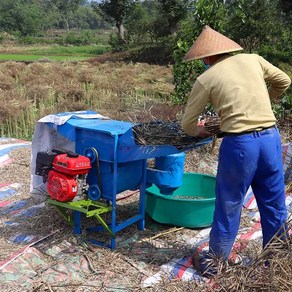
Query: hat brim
(210, 43)
(188, 59)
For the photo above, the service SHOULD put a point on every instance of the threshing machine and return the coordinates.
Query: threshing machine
(85, 162)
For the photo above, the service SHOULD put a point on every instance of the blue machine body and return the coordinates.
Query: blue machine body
(119, 164)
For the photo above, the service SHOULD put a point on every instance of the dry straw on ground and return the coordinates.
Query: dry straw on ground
(140, 254)
(268, 270)
(31, 91)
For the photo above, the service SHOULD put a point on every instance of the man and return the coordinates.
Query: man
(250, 152)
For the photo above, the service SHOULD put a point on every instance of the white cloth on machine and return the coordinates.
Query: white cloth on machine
(61, 119)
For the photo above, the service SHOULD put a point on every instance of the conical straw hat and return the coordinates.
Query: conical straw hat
(210, 43)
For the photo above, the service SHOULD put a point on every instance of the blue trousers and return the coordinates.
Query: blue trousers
(250, 159)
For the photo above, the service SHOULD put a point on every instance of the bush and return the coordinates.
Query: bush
(184, 74)
(158, 54)
(117, 44)
(82, 38)
(276, 57)
(27, 40)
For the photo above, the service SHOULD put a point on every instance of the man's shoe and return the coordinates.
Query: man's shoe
(205, 264)
(234, 259)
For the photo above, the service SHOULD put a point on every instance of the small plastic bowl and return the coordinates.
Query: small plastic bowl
(191, 205)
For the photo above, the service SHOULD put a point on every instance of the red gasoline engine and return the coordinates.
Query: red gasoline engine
(64, 172)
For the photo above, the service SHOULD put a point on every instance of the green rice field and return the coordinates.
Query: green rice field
(53, 53)
(26, 58)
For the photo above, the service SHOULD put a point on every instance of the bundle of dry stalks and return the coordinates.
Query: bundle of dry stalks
(212, 124)
(171, 133)
(163, 133)
(270, 270)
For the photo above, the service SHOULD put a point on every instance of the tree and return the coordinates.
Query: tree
(65, 8)
(254, 23)
(286, 6)
(115, 11)
(85, 18)
(212, 13)
(23, 17)
(139, 22)
(172, 12)
(205, 12)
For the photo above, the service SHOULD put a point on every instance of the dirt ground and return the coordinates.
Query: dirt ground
(139, 254)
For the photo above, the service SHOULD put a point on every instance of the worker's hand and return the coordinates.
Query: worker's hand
(203, 132)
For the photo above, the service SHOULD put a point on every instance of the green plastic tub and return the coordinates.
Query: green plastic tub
(191, 205)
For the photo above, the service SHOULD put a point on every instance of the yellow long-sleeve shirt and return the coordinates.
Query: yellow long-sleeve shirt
(236, 87)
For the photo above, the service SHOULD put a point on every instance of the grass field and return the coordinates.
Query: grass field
(71, 50)
(32, 58)
(53, 53)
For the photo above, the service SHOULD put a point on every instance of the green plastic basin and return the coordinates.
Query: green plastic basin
(191, 205)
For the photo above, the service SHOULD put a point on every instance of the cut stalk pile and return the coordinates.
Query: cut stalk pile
(212, 124)
(171, 133)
